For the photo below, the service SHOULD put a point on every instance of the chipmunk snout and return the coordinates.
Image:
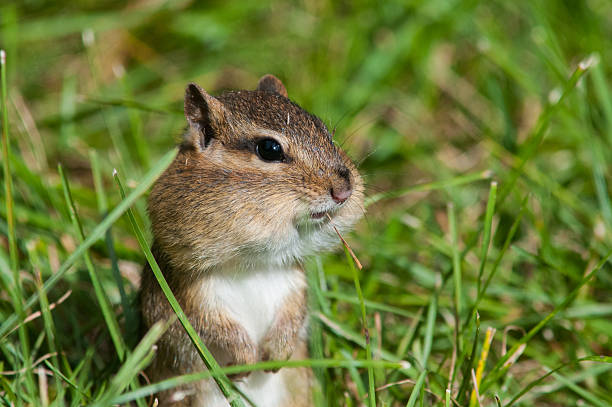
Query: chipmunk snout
(342, 187)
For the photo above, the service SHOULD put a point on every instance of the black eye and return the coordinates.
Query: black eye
(268, 149)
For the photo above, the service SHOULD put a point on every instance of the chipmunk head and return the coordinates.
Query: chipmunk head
(257, 179)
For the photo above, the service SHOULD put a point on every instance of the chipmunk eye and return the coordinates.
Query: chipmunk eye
(269, 149)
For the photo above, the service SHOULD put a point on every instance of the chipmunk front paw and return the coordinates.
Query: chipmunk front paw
(277, 345)
(243, 352)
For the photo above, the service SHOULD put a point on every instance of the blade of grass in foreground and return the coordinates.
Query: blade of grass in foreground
(105, 306)
(130, 322)
(133, 364)
(195, 377)
(222, 381)
(416, 390)
(352, 260)
(97, 233)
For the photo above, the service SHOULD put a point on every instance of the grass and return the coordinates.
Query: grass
(484, 134)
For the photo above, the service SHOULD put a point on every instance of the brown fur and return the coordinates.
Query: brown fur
(220, 208)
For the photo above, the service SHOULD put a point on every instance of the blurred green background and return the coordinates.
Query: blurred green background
(433, 99)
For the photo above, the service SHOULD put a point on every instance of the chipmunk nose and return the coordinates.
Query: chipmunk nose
(339, 196)
(341, 188)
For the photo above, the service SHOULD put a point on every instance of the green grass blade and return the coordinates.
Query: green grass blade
(486, 236)
(602, 90)
(136, 125)
(416, 390)
(16, 292)
(130, 313)
(458, 292)
(134, 363)
(509, 238)
(602, 359)
(222, 381)
(432, 311)
(8, 179)
(49, 325)
(62, 377)
(364, 322)
(105, 306)
(355, 375)
(530, 146)
(96, 174)
(430, 186)
(371, 305)
(570, 297)
(467, 379)
(288, 364)
(96, 233)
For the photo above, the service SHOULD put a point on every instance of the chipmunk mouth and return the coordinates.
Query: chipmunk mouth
(318, 215)
(324, 215)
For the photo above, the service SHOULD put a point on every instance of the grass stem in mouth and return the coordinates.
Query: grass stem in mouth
(357, 262)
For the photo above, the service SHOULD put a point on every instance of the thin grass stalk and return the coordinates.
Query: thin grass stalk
(220, 378)
(130, 317)
(230, 370)
(16, 292)
(49, 325)
(466, 370)
(603, 94)
(368, 347)
(429, 328)
(530, 146)
(8, 180)
(481, 364)
(105, 306)
(486, 236)
(500, 256)
(355, 376)
(71, 383)
(134, 363)
(429, 186)
(416, 390)
(12, 321)
(452, 221)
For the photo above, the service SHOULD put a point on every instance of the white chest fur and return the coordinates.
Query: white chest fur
(251, 298)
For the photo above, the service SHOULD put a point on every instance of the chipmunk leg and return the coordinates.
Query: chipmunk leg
(229, 338)
(283, 335)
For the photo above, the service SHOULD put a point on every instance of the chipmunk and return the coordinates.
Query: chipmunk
(257, 185)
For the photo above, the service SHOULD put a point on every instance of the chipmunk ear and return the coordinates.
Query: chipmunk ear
(271, 83)
(204, 114)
